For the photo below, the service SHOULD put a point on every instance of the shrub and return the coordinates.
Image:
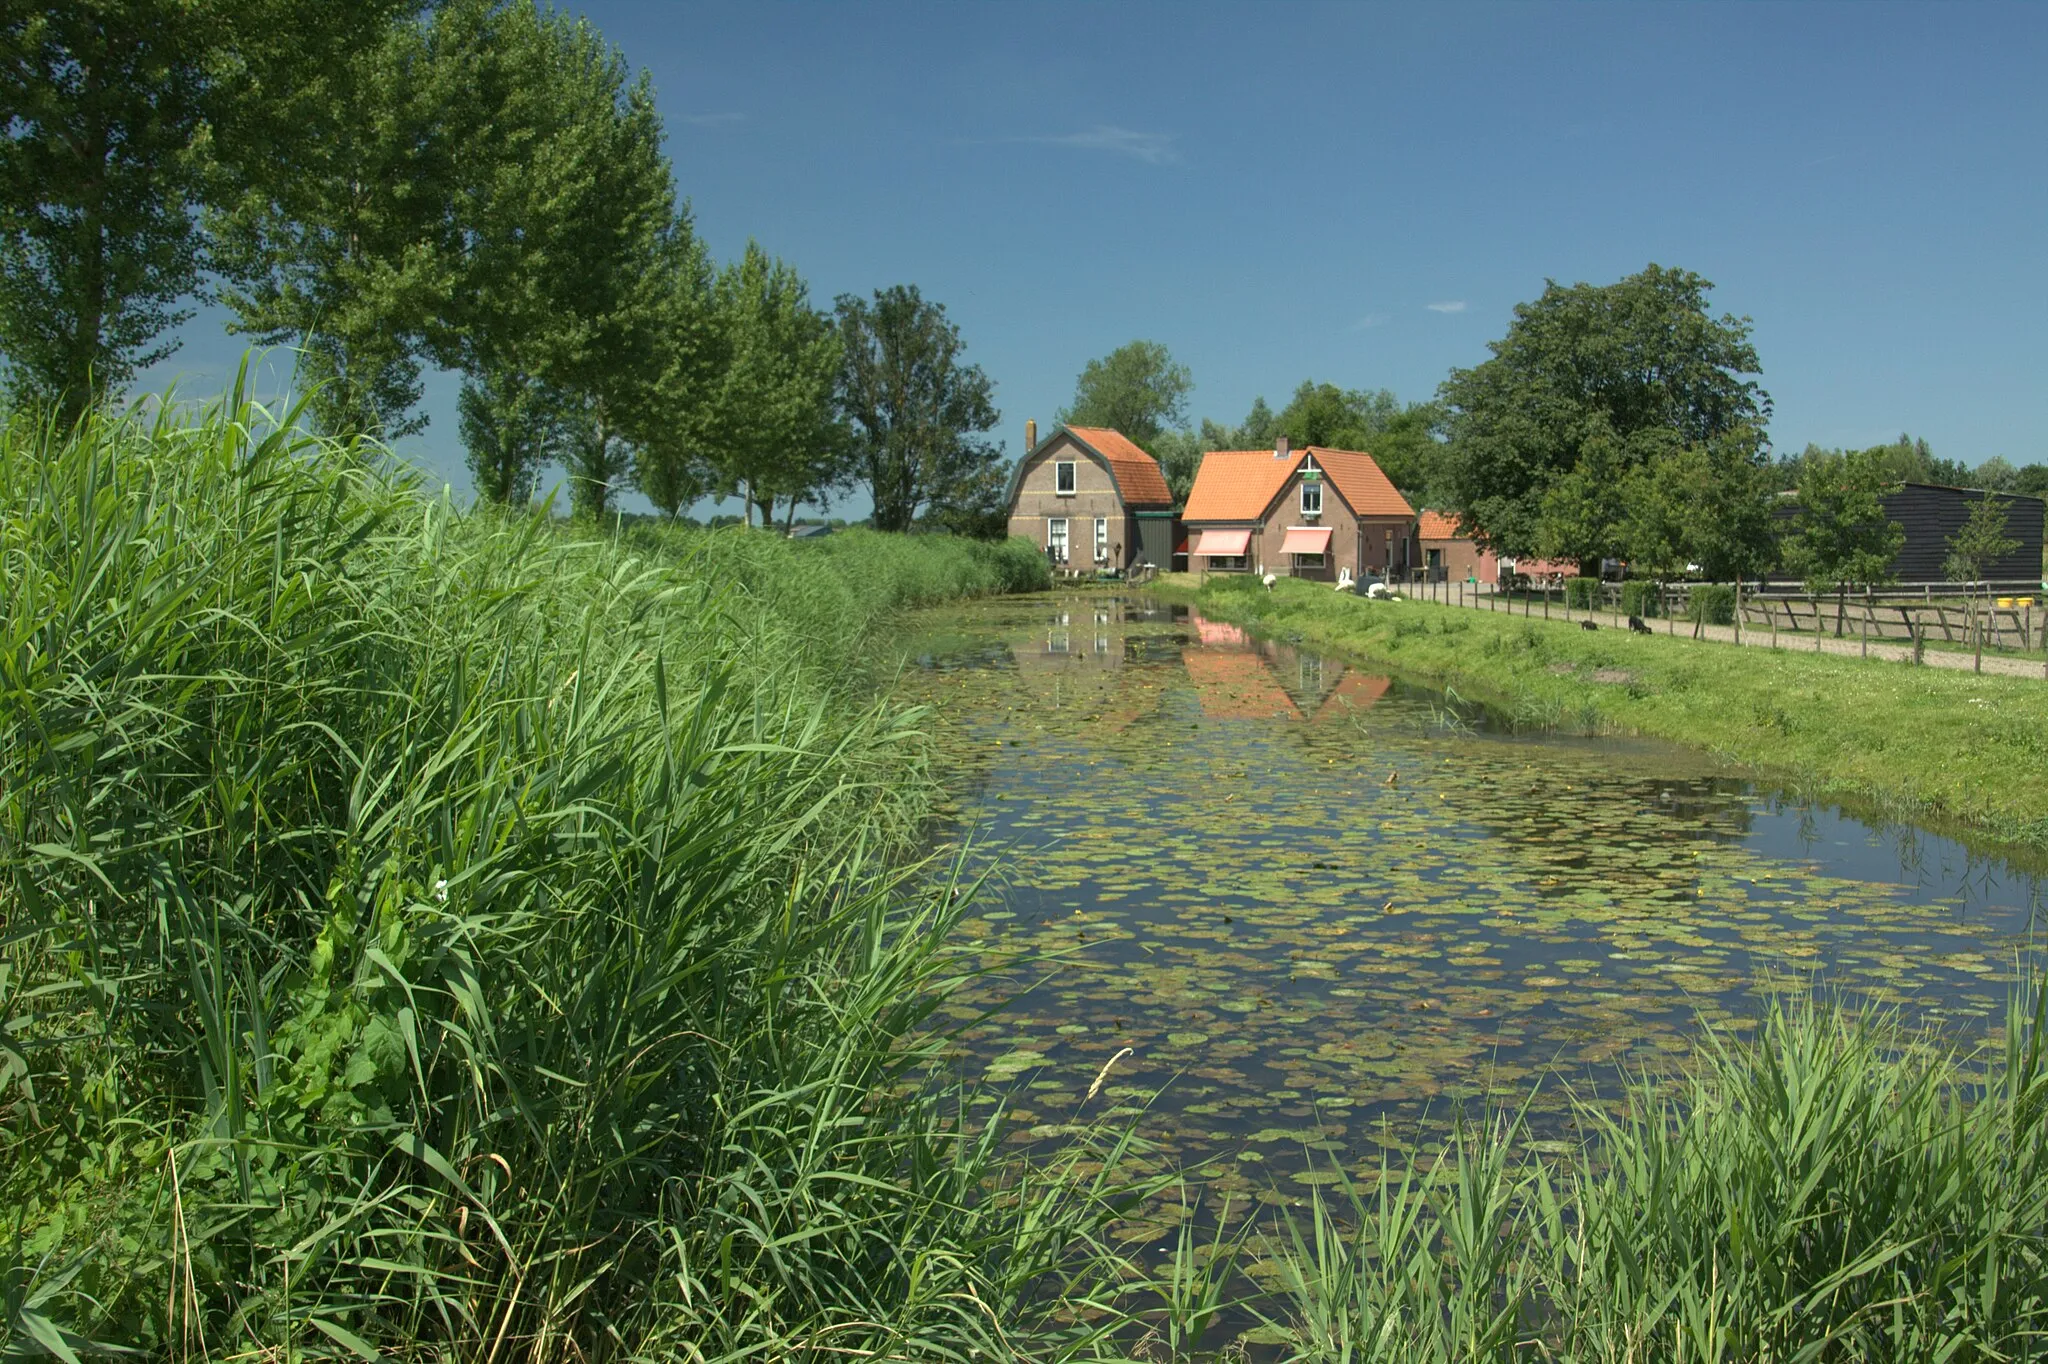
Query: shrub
(1640, 598)
(1582, 594)
(1712, 603)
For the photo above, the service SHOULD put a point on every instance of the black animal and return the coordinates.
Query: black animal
(1588, 625)
(1636, 626)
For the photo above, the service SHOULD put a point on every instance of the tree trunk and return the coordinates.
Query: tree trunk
(789, 522)
(1841, 607)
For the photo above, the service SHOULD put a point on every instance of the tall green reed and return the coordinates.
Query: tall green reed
(1837, 1188)
(430, 934)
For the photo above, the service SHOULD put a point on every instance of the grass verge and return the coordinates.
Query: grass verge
(1925, 744)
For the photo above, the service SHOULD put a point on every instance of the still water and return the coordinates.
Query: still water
(1323, 908)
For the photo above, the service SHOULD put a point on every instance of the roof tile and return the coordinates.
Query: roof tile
(1238, 485)
(1137, 474)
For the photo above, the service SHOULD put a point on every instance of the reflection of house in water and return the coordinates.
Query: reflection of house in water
(1238, 677)
(1077, 656)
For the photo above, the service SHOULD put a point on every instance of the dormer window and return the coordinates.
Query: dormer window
(1063, 477)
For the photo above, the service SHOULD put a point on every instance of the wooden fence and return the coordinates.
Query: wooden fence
(1897, 615)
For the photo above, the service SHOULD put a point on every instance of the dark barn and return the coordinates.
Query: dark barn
(1932, 515)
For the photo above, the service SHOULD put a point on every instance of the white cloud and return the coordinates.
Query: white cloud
(1152, 148)
(1456, 305)
(713, 120)
(1369, 321)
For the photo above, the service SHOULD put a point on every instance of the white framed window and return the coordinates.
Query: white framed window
(1101, 539)
(1311, 494)
(1056, 539)
(1063, 477)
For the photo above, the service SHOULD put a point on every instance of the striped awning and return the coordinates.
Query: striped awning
(1306, 540)
(1217, 542)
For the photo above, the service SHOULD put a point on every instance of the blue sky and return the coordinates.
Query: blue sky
(1361, 194)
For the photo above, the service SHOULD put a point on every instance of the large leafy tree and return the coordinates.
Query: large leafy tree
(915, 410)
(119, 121)
(1840, 535)
(774, 434)
(1137, 389)
(1590, 367)
(1706, 505)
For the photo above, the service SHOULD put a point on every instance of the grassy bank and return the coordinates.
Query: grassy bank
(1926, 744)
(442, 936)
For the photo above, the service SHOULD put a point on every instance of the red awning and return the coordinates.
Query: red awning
(1214, 542)
(1306, 540)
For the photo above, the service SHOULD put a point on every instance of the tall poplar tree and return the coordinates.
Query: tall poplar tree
(775, 437)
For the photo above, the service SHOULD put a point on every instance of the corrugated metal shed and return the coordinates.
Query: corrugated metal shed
(1933, 514)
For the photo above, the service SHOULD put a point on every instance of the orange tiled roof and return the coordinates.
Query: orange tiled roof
(1238, 485)
(1438, 525)
(1137, 473)
(1358, 476)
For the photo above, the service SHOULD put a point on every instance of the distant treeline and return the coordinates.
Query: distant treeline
(1612, 422)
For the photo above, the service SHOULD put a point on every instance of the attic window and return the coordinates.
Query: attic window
(1311, 494)
(1063, 477)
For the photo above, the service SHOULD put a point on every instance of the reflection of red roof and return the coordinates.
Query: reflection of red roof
(1356, 691)
(1438, 525)
(1137, 473)
(1218, 632)
(1238, 485)
(1237, 686)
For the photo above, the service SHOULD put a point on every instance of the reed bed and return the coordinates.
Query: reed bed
(1836, 1188)
(431, 935)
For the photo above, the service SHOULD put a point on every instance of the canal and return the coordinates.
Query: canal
(1288, 911)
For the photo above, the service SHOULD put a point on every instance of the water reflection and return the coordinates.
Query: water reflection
(1319, 913)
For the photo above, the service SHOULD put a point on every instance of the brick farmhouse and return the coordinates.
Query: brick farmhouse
(1092, 500)
(1312, 513)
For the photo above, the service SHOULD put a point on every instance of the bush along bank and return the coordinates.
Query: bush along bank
(441, 936)
(1943, 748)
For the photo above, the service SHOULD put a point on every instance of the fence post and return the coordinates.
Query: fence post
(1866, 622)
(1919, 644)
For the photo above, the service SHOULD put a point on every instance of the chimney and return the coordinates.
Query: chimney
(1279, 447)
(1030, 434)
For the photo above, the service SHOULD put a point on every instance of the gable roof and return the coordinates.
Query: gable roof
(1134, 474)
(1239, 485)
(1364, 484)
(1137, 474)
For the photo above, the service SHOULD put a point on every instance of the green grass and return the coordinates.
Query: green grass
(1936, 746)
(441, 936)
